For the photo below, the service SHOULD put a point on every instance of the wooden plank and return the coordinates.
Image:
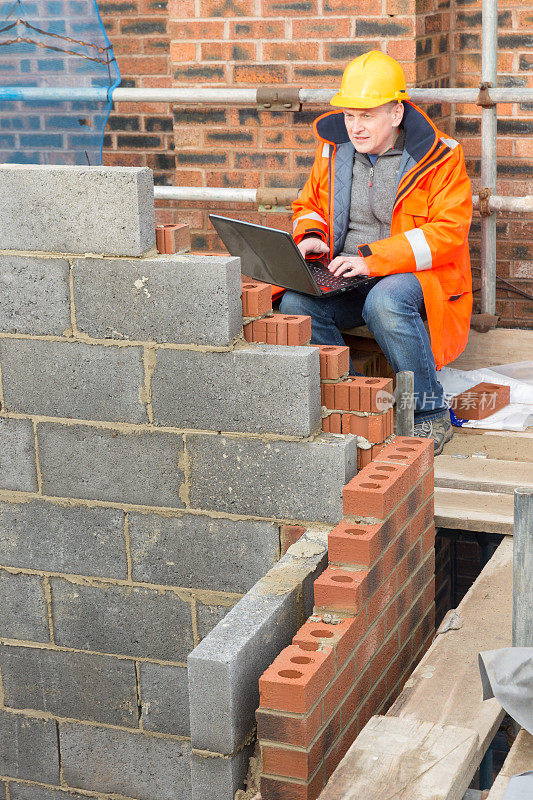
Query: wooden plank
(482, 474)
(519, 759)
(474, 511)
(399, 758)
(442, 694)
(499, 346)
(506, 445)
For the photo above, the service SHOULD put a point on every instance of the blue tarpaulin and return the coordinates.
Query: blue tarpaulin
(51, 50)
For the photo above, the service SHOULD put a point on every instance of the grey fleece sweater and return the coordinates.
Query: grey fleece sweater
(372, 197)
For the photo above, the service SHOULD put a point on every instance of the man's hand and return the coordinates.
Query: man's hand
(348, 266)
(311, 245)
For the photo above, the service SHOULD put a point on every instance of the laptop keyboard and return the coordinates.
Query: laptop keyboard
(324, 278)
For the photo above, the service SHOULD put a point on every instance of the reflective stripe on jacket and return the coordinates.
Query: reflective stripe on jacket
(430, 221)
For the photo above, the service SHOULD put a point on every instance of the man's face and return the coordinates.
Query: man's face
(373, 130)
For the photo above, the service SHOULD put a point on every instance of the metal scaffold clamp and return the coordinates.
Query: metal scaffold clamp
(484, 99)
(484, 198)
(277, 98)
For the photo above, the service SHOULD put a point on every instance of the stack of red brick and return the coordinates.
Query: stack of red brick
(373, 620)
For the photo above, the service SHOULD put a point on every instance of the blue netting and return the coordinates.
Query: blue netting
(57, 71)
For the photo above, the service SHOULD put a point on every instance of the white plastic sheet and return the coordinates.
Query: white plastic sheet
(518, 415)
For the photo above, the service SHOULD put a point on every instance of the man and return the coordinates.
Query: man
(389, 197)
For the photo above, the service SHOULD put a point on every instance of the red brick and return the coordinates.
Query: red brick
(370, 495)
(159, 239)
(177, 238)
(422, 518)
(396, 551)
(299, 730)
(279, 789)
(340, 748)
(334, 361)
(343, 636)
(290, 762)
(481, 401)
(411, 504)
(347, 395)
(327, 391)
(339, 689)
(382, 597)
(429, 483)
(374, 394)
(374, 428)
(369, 645)
(248, 332)
(428, 539)
(339, 590)
(359, 543)
(289, 534)
(364, 457)
(256, 298)
(298, 328)
(384, 657)
(335, 423)
(296, 679)
(415, 451)
(289, 8)
(355, 697)
(326, 425)
(409, 564)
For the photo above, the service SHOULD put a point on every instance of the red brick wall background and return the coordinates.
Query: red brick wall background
(243, 43)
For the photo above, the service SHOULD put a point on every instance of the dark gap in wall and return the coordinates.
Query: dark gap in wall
(460, 556)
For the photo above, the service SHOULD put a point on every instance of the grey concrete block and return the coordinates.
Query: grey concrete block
(219, 778)
(133, 764)
(288, 480)
(75, 685)
(65, 209)
(24, 612)
(17, 455)
(130, 621)
(208, 616)
(34, 295)
(177, 298)
(28, 748)
(261, 389)
(140, 467)
(165, 698)
(67, 379)
(224, 668)
(55, 538)
(24, 791)
(2, 790)
(201, 552)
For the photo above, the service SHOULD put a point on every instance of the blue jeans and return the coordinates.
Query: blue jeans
(393, 310)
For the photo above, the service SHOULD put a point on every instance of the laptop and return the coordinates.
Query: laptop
(271, 256)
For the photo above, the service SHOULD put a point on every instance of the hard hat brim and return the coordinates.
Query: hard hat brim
(340, 100)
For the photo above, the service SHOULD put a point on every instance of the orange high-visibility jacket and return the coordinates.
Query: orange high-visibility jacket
(430, 221)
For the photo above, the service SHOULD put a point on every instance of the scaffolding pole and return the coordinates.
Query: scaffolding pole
(489, 121)
(266, 98)
(281, 198)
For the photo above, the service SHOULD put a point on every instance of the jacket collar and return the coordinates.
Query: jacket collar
(420, 132)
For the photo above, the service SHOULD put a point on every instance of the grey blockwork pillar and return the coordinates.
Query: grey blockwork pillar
(225, 667)
(405, 403)
(60, 209)
(523, 568)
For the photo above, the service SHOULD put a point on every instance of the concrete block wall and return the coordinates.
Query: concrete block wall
(373, 619)
(150, 458)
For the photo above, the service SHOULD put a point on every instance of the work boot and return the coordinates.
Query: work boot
(439, 429)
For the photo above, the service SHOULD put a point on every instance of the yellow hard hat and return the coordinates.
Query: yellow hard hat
(371, 80)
